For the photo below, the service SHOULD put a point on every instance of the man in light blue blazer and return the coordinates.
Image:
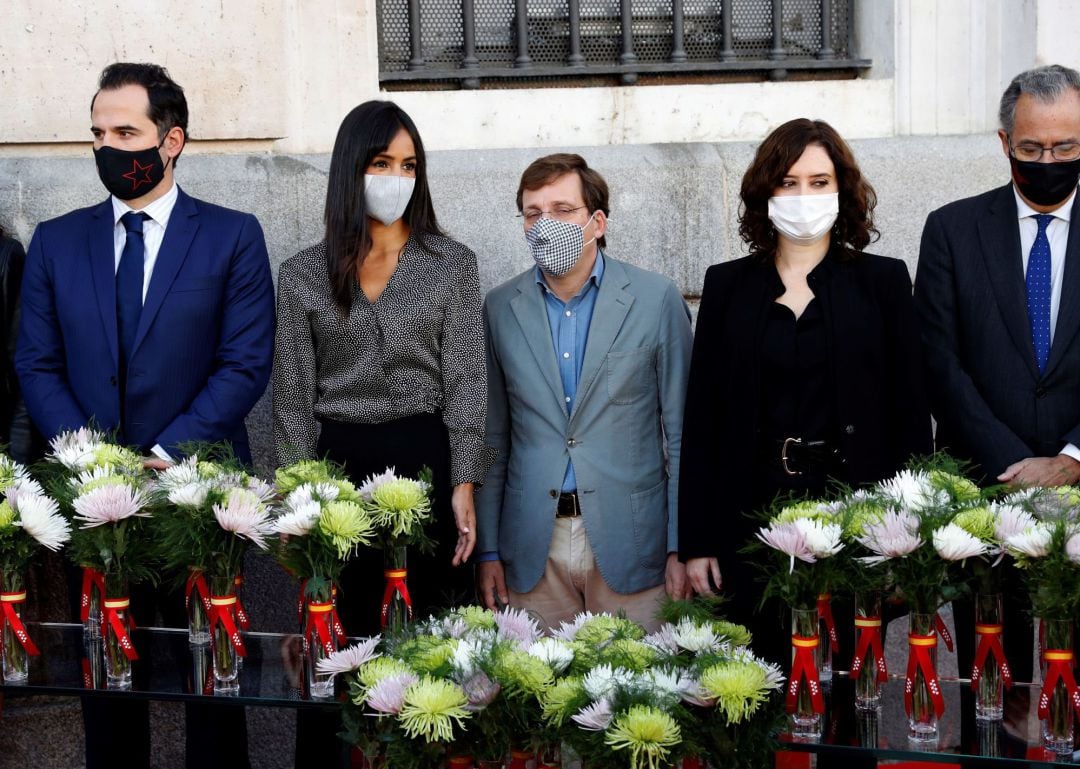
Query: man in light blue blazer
(587, 366)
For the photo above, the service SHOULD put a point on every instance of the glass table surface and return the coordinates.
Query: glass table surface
(168, 668)
(852, 737)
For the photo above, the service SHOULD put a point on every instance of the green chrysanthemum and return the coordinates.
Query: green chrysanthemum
(123, 458)
(739, 688)
(978, 522)
(562, 699)
(104, 480)
(520, 672)
(400, 504)
(737, 635)
(647, 733)
(427, 654)
(1068, 496)
(347, 524)
(805, 509)
(476, 617)
(346, 491)
(604, 627)
(304, 471)
(432, 707)
(630, 654)
(857, 515)
(9, 473)
(373, 671)
(7, 516)
(957, 486)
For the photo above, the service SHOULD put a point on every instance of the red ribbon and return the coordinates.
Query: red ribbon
(318, 624)
(869, 641)
(824, 610)
(113, 606)
(197, 582)
(989, 637)
(241, 613)
(804, 666)
(8, 601)
(395, 581)
(919, 647)
(946, 636)
(334, 620)
(1059, 668)
(90, 578)
(221, 610)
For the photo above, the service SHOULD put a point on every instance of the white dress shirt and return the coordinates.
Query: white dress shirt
(1057, 232)
(153, 233)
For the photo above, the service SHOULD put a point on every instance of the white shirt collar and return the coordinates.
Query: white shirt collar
(160, 210)
(1023, 210)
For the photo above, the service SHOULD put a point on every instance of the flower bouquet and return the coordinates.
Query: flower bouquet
(321, 523)
(109, 495)
(210, 513)
(28, 519)
(400, 508)
(1047, 551)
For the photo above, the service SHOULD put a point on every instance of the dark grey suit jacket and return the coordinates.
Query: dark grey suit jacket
(990, 402)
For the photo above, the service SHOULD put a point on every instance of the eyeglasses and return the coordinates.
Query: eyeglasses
(563, 213)
(1029, 152)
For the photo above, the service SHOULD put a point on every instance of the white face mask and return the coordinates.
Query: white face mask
(804, 219)
(387, 197)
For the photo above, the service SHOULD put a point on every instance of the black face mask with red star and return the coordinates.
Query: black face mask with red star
(130, 174)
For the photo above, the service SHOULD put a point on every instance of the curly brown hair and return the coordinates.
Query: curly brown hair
(854, 227)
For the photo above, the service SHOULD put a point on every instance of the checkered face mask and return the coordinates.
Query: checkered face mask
(556, 246)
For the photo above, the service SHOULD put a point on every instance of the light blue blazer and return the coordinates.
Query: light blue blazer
(623, 435)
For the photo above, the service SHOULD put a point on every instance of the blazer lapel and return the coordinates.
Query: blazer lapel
(612, 305)
(528, 308)
(999, 235)
(103, 270)
(183, 223)
(1068, 318)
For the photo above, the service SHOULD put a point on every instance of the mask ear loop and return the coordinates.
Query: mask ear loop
(591, 219)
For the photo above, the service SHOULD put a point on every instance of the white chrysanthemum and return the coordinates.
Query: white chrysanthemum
(109, 504)
(955, 544)
(467, 653)
(603, 680)
(181, 474)
(86, 477)
(299, 522)
(1010, 519)
(261, 489)
(350, 658)
(450, 627)
(76, 449)
(693, 693)
(774, 675)
(822, 539)
(912, 491)
(663, 640)
(665, 681)
(1072, 548)
(595, 717)
(695, 638)
(190, 494)
(1033, 542)
(555, 652)
(245, 516)
(569, 630)
(25, 486)
(12, 473)
(40, 517)
(372, 482)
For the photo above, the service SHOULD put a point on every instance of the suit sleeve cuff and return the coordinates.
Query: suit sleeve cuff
(161, 453)
(489, 555)
(1072, 451)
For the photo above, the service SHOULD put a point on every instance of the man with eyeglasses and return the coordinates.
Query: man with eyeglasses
(587, 364)
(998, 292)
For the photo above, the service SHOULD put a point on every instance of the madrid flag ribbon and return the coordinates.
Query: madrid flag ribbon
(11, 617)
(222, 609)
(395, 581)
(989, 637)
(91, 578)
(824, 610)
(120, 626)
(919, 647)
(1058, 668)
(804, 666)
(869, 641)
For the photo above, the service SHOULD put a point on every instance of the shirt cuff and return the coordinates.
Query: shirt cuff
(469, 462)
(1071, 450)
(161, 453)
(490, 555)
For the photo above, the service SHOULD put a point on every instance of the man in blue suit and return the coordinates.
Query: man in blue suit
(151, 314)
(587, 364)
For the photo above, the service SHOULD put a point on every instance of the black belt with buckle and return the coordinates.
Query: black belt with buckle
(798, 457)
(568, 505)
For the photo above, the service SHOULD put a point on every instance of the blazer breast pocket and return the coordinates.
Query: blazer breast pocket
(629, 374)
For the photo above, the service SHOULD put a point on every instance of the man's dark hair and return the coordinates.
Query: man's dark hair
(543, 171)
(168, 106)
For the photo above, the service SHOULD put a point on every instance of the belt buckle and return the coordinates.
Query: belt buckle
(788, 442)
(575, 509)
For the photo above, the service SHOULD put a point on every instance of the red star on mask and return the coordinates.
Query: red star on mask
(133, 174)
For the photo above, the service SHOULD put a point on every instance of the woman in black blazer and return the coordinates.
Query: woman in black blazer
(806, 364)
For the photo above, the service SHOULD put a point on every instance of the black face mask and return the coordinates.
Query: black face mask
(1045, 184)
(130, 174)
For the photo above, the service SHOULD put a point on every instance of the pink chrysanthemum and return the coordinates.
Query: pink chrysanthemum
(894, 536)
(388, 695)
(350, 658)
(517, 625)
(595, 717)
(480, 690)
(109, 504)
(790, 540)
(245, 516)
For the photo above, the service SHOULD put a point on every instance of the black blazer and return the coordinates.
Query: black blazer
(986, 393)
(12, 258)
(880, 402)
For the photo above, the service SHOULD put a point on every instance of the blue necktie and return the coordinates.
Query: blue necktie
(129, 284)
(1038, 292)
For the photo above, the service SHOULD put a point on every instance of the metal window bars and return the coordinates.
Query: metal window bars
(485, 41)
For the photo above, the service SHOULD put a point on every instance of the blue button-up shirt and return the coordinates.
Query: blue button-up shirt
(569, 322)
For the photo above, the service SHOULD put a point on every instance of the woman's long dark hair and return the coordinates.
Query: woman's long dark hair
(365, 132)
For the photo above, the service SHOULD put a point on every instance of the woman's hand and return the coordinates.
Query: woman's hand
(699, 570)
(465, 518)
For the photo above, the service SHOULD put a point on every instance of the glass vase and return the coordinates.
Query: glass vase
(198, 608)
(549, 756)
(90, 609)
(1056, 699)
(396, 603)
(117, 623)
(989, 668)
(829, 642)
(922, 691)
(16, 658)
(868, 664)
(521, 759)
(225, 638)
(320, 641)
(805, 703)
(867, 727)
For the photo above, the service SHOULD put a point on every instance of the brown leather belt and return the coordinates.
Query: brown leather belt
(568, 505)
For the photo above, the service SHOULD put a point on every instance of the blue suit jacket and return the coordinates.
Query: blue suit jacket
(204, 345)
